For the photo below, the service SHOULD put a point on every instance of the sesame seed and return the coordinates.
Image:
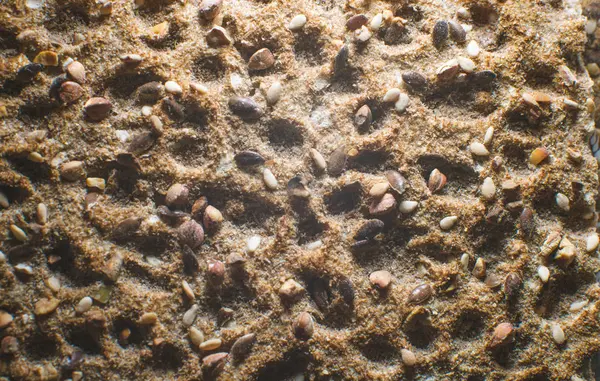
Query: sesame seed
(42, 213)
(84, 305)
(379, 189)
(488, 188)
(187, 290)
(591, 242)
(478, 149)
(466, 64)
(274, 93)
(318, 159)
(558, 334)
(253, 243)
(173, 87)
(53, 283)
(489, 135)
(448, 222)
(479, 270)
(464, 261)
(4, 200)
(543, 273)
(408, 357)
(562, 201)
(402, 103)
(297, 23)
(473, 49)
(408, 206)
(392, 95)
(376, 22)
(578, 306)
(269, 179)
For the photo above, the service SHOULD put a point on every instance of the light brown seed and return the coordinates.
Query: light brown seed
(5, 319)
(420, 294)
(479, 269)
(337, 161)
(42, 213)
(76, 71)
(199, 207)
(46, 58)
(96, 183)
(18, 233)
(97, 108)
(379, 189)
(127, 227)
(217, 37)
(291, 290)
(177, 195)
(10, 346)
(437, 180)
(261, 60)
(503, 334)
(380, 279)
(148, 318)
(46, 306)
(211, 345)
(70, 92)
(408, 357)
(396, 180)
(538, 155)
(215, 362)
(72, 171)
(303, 327)
(318, 159)
(385, 205)
(212, 218)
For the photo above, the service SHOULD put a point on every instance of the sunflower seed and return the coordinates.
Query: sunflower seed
(420, 294)
(261, 60)
(416, 81)
(303, 326)
(369, 229)
(457, 32)
(242, 346)
(245, 108)
(437, 180)
(248, 158)
(439, 33)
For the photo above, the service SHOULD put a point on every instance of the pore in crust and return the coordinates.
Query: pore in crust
(297, 190)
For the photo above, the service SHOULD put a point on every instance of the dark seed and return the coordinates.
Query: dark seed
(177, 195)
(190, 262)
(217, 37)
(55, 86)
(129, 161)
(483, 78)
(356, 21)
(173, 109)
(420, 294)
(337, 161)
(303, 326)
(363, 117)
(216, 272)
(245, 108)
(527, 222)
(296, 187)
(440, 33)
(127, 227)
(318, 291)
(242, 346)
(199, 207)
(512, 284)
(209, 9)
(247, 158)
(261, 60)
(396, 180)
(437, 181)
(28, 72)
(150, 92)
(172, 217)
(347, 291)
(361, 245)
(191, 233)
(9, 345)
(341, 59)
(457, 32)
(141, 142)
(416, 81)
(369, 230)
(385, 205)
